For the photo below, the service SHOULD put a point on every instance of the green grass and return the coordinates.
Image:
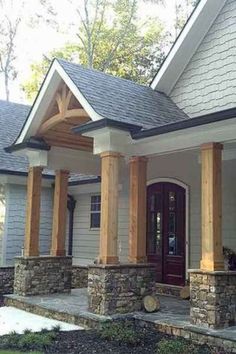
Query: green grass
(12, 352)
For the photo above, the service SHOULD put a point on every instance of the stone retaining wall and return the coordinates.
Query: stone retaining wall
(6, 280)
(213, 298)
(42, 275)
(119, 288)
(79, 277)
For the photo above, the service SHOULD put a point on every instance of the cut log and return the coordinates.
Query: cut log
(185, 293)
(151, 303)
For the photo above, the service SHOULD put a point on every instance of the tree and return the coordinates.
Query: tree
(183, 9)
(8, 32)
(109, 38)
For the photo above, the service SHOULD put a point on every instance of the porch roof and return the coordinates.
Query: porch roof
(12, 118)
(123, 100)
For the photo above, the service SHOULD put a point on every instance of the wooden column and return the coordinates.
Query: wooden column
(212, 252)
(33, 212)
(137, 210)
(59, 214)
(109, 208)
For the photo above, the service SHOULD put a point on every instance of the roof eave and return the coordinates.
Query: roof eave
(106, 123)
(29, 144)
(188, 123)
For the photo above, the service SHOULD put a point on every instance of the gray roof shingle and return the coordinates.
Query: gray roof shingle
(12, 118)
(123, 100)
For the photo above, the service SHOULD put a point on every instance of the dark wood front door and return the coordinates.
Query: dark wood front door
(166, 231)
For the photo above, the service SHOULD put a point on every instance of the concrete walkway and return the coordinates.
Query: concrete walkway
(12, 319)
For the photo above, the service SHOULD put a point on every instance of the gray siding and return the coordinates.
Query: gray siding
(208, 84)
(184, 167)
(15, 221)
(86, 240)
(2, 219)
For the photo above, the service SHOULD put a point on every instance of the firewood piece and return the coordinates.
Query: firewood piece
(151, 303)
(185, 293)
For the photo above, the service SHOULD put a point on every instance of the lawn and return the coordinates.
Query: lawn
(14, 352)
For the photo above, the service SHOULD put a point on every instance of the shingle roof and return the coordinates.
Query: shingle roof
(12, 118)
(123, 100)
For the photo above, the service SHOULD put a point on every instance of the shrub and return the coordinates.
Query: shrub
(121, 332)
(56, 328)
(27, 331)
(28, 341)
(36, 341)
(180, 346)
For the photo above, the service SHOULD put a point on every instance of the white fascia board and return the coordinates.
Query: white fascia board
(74, 161)
(110, 139)
(35, 157)
(187, 44)
(46, 94)
(186, 139)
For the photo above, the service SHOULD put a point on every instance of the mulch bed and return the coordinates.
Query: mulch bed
(89, 342)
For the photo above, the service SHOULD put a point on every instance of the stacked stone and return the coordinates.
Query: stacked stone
(79, 277)
(213, 298)
(6, 280)
(119, 288)
(42, 275)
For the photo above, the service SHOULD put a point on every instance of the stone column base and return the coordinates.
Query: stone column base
(213, 298)
(119, 288)
(42, 275)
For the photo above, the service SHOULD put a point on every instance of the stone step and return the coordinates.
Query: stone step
(86, 319)
(169, 290)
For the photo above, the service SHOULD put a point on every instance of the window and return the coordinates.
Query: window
(95, 211)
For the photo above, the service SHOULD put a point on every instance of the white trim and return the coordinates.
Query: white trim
(187, 212)
(186, 45)
(186, 139)
(5, 231)
(46, 93)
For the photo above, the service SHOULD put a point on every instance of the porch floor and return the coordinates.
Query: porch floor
(172, 318)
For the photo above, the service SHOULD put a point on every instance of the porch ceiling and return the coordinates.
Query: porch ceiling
(64, 113)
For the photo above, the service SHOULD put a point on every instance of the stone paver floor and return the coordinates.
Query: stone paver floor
(173, 311)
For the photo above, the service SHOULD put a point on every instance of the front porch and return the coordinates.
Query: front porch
(173, 318)
(107, 148)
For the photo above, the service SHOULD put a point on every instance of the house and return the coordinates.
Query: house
(166, 157)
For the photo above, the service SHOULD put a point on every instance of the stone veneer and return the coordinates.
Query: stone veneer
(42, 275)
(6, 280)
(119, 288)
(79, 277)
(213, 298)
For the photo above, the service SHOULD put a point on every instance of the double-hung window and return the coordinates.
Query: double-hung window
(95, 211)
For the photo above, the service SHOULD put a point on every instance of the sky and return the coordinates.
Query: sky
(34, 41)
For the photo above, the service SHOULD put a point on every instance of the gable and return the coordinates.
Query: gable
(208, 83)
(64, 113)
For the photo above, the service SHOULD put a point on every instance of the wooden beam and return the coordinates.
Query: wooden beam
(137, 210)
(59, 214)
(109, 208)
(212, 249)
(61, 117)
(33, 212)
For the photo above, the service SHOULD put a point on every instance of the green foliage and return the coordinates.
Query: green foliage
(28, 341)
(122, 332)
(56, 328)
(109, 38)
(15, 352)
(180, 346)
(27, 331)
